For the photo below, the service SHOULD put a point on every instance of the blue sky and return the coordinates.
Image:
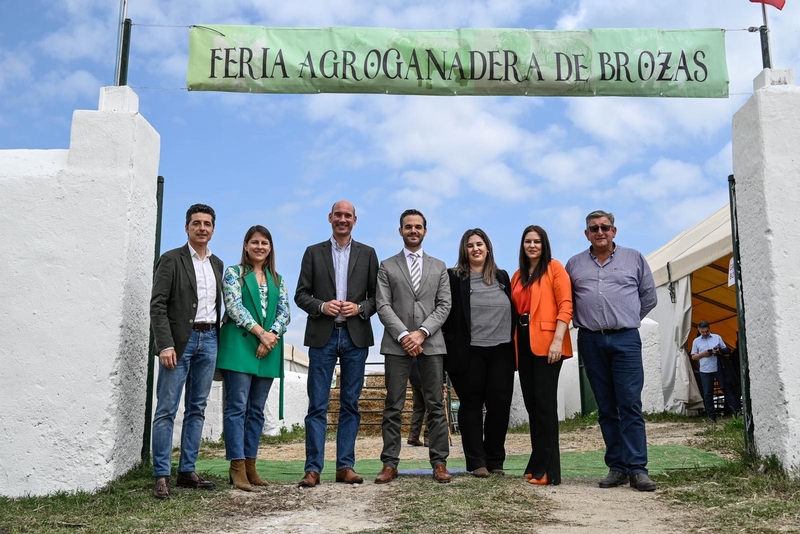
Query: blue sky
(660, 165)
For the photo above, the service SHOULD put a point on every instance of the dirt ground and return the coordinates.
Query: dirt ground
(577, 506)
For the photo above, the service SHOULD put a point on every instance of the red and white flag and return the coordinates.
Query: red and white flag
(774, 3)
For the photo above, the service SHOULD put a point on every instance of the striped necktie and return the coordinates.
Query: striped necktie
(416, 273)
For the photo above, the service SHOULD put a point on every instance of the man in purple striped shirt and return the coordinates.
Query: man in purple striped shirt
(613, 290)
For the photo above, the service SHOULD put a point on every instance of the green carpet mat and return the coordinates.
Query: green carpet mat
(661, 458)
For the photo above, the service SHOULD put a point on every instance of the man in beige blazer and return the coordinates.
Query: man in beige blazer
(413, 300)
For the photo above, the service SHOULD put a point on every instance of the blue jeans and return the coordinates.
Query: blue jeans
(243, 416)
(613, 364)
(707, 381)
(195, 369)
(321, 363)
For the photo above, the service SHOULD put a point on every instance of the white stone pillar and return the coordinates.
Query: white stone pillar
(766, 164)
(79, 237)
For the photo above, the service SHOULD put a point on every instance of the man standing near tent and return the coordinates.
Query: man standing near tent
(613, 290)
(336, 289)
(705, 349)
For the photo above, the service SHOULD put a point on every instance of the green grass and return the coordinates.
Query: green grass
(123, 506)
(746, 495)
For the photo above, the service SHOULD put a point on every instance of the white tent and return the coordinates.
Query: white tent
(691, 276)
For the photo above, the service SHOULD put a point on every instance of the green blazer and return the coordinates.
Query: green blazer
(237, 346)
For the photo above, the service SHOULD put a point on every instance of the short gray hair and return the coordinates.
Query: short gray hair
(596, 214)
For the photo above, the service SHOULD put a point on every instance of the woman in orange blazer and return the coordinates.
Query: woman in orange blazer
(542, 296)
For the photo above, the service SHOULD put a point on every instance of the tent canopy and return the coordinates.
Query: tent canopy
(694, 248)
(704, 252)
(691, 276)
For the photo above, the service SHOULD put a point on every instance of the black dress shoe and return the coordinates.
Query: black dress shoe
(642, 482)
(613, 479)
(194, 481)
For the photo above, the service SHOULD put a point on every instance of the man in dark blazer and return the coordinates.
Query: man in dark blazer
(413, 304)
(185, 317)
(336, 289)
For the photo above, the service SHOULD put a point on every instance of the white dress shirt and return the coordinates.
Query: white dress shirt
(206, 288)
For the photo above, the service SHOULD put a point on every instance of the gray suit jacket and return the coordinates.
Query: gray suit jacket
(317, 284)
(173, 305)
(399, 308)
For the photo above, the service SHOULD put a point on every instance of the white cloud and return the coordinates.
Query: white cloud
(15, 68)
(68, 86)
(720, 164)
(666, 179)
(91, 40)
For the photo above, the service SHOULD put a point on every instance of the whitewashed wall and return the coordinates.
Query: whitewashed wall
(79, 237)
(766, 164)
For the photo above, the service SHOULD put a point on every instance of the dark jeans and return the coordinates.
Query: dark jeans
(486, 380)
(613, 364)
(539, 383)
(707, 382)
(321, 363)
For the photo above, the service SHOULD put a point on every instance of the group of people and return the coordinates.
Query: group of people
(473, 321)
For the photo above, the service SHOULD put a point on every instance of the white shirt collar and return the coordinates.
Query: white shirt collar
(409, 253)
(194, 252)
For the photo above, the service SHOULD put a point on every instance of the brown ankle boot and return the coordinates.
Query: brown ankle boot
(238, 477)
(252, 474)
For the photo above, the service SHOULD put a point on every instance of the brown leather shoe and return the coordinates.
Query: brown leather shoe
(310, 480)
(386, 475)
(441, 475)
(348, 476)
(415, 442)
(194, 481)
(161, 490)
(481, 472)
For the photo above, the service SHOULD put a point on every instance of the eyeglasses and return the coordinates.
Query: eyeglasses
(595, 228)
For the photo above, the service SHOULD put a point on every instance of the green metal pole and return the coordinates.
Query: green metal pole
(749, 439)
(126, 50)
(151, 362)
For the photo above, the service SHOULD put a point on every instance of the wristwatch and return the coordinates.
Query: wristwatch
(360, 309)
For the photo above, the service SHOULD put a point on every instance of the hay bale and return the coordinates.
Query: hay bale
(371, 405)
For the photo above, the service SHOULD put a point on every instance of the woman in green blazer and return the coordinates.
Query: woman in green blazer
(251, 351)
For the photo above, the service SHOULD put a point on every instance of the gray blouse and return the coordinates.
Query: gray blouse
(490, 313)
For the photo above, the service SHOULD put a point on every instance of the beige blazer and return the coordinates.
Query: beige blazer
(399, 308)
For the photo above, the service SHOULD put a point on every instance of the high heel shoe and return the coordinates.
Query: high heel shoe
(539, 481)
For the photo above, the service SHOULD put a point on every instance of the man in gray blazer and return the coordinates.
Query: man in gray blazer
(336, 289)
(185, 317)
(413, 302)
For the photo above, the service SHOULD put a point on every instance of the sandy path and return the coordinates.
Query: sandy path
(579, 506)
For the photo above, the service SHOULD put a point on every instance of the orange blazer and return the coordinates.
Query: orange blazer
(551, 300)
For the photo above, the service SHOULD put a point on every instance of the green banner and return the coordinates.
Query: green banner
(605, 62)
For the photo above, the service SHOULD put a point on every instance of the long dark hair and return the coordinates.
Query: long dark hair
(269, 265)
(524, 262)
(489, 268)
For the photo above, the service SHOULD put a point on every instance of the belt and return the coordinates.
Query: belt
(204, 327)
(340, 325)
(524, 319)
(607, 331)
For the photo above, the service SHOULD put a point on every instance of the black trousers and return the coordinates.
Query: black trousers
(487, 380)
(539, 382)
